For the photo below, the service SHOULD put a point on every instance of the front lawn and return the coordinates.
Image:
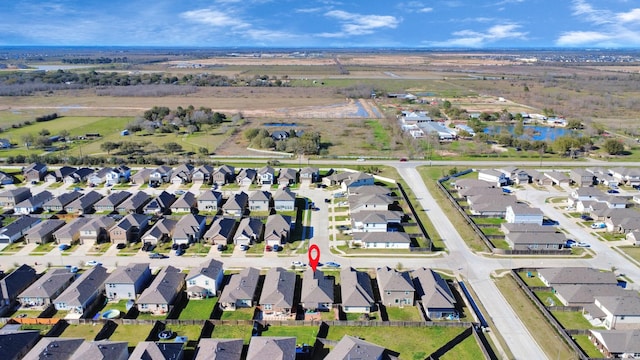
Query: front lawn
(198, 309)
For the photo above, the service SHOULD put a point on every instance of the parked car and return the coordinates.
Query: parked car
(148, 246)
(298, 263)
(613, 191)
(179, 192)
(244, 247)
(570, 243)
(121, 246)
(403, 159)
(332, 264)
(268, 248)
(222, 247)
(586, 217)
(360, 159)
(92, 263)
(599, 225)
(583, 244)
(277, 247)
(157, 256)
(327, 200)
(179, 251)
(64, 247)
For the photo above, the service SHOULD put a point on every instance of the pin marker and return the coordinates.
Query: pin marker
(313, 260)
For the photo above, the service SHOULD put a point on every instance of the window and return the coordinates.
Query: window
(206, 282)
(268, 306)
(192, 282)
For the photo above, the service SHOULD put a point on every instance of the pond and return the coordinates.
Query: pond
(280, 124)
(534, 132)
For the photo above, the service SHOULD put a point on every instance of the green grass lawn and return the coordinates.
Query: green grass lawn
(120, 306)
(198, 309)
(87, 332)
(403, 340)
(131, 333)
(238, 314)
(488, 220)
(548, 298)
(633, 251)
(303, 334)
(44, 329)
(572, 320)
(192, 332)
(531, 281)
(407, 313)
(468, 349)
(232, 332)
(588, 347)
(28, 313)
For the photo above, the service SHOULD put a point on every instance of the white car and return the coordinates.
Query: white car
(360, 159)
(92, 263)
(298, 263)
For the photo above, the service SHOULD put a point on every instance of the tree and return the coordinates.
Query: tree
(613, 147)
(203, 151)
(172, 147)
(28, 139)
(518, 130)
(44, 132)
(64, 133)
(109, 146)
(574, 124)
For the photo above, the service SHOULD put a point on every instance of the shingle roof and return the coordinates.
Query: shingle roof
(221, 226)
(164, 287)
(210, 268)
(316, 288)
(114, 199)
(627, 304)
(84, 287)
(127, 275)
(48, 283)
(219, 349)
(355, 288)
(241, 286)
(284, 194)
(271, 347)
(577, 275)
(619, 341)
(433, 289)
(279, 285)
(350, 347)
(102, 350)
(54, 348)
(393, 280)
(149, 350)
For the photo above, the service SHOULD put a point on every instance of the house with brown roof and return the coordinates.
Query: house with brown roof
(43, 232)
(111, 201)
(203, 174)
(159, 205)
(241, 290)
(9, 198)
(287, 176)
(221, 231)
(96, 230)
(70, 233)
(236, 205)
(396, 287)
(141, 176)
(218, 349)
(277, 292)
(128, 229)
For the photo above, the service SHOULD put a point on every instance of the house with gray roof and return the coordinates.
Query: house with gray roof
(209, 201)
(221, 231)
(240, 291)
(536, 241)
(81, 294)
(60, 173)
(488, 205)
(529, 228)
(493, 177)
(396, 287)
(356, 291)
(284, 200)
(309, 175)
(205, 280)
(43, 231)
(161, 231)
(460, 184)
(58, 203)
(272, 348)
(141, 176)
(183, 174)
(317, 291)
(372, 202)
(160, 204)
(79, 176)
(246, 177)
(129, 228)
(127, 282)
(184, 204)
(249, 231)
(16, 344)
(523, 214)
(134, 204)
(34, 172)
(44, 290)
(16, 230)
(203, 174)
(350, 347)
(151, 350)
(260, 201)
(160, 296)
(621, 312)
(236, 205)
(9, 198)
(16, 282)
(223, 175)
(33, 203)
(475, 191)
(370, 190)
(6, 179)
(277, 292)
(616, 344)
(557, 177)
(160, 175)
(54, 348)
(357, 179)
(110, 202)
(277, 229)
(375, 220)
(584, 295)
(70, 232)
(582, 177)
(84, 204)
(435, 294)
(102, 350)
(218, 349)
(189, 229)
(381, 240)
(575, 275)
(287, 176)
(266, 175)
(96, 229)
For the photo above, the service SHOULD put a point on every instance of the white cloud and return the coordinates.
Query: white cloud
(472, 38)
(631, 16)
(425, 10)
(358, 24)
(573, 38)
(310, 10)
(213, 18)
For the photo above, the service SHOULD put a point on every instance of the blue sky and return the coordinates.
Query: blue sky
(323, 23)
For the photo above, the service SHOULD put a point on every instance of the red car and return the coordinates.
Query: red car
(403, 159)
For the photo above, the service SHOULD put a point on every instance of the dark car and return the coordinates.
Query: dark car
(586, 217)
(157, 256)
(327, 200)
(121, 246)
(277, 248)
(222, 247)
(148, 246)
(403, 159)
(179, 251)
(613, 191)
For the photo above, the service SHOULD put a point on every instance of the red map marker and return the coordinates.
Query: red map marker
(314, 259)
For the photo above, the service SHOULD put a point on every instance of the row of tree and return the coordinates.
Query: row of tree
(308, 144)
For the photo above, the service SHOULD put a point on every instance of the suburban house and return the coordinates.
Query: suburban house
(189, 229)
(236, 204)
(249, 231)
(240, 291)
(221, 231)
(260, 201)
(160, 204)
(369, 202)
(60, 173)
(33, 204)
(287, 177)
(584, 295)
(370, 190)
(77, 348)
(309, 175)
(100, 177)
(44, 290)
(219, 349)
(82, 293)
(528, 228)
(158, 350)
(9, 198)
(58, 203)
(128, 229)
(127, 282)
(141, 176)
(284, 200)
(471, 183)
(186, 203)
(70, 233)
(225, 174)
(16, 230)
(6, 179)
(375, 221)
(161, 231)
(494, 177)
(266, 175)
(523, 214)
(396, 287)
(557, 177)
(79, 176)
(435, 294)
(621, 312)
(246, 177)
(317, 291)
(357, 179)
(34, 172)
(159, 297)
(489, 205)
(350, 347)
(575, 275)
(43, 231)
(203, 174)
(15, 283)
(536, 241)
(134, 204)
(515, 175)
(582, 177)
(381, 240)
(83, 204)
(17, 344)
(209, 201)
(356, 291)
(96, 230)
(627, 176)
(616, 344)
(182, 174)
(277, 230)
(110, 202)
(205, 281)
(271, 347)
(161, 175)
(277, 292)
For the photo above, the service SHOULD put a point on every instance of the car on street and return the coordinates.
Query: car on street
(327, 200)
(245, 247)
(277, 248)
(332, 264)
(403, 159)
(570, 243)
(268, 248)
(360, 159)
(92, 263)
(179, 192)
(222, 247)
(613, 191)
(64, 247)
(298, 263)
(583, 244)
(157, 256)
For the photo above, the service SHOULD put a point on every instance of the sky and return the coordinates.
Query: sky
(323, 23)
